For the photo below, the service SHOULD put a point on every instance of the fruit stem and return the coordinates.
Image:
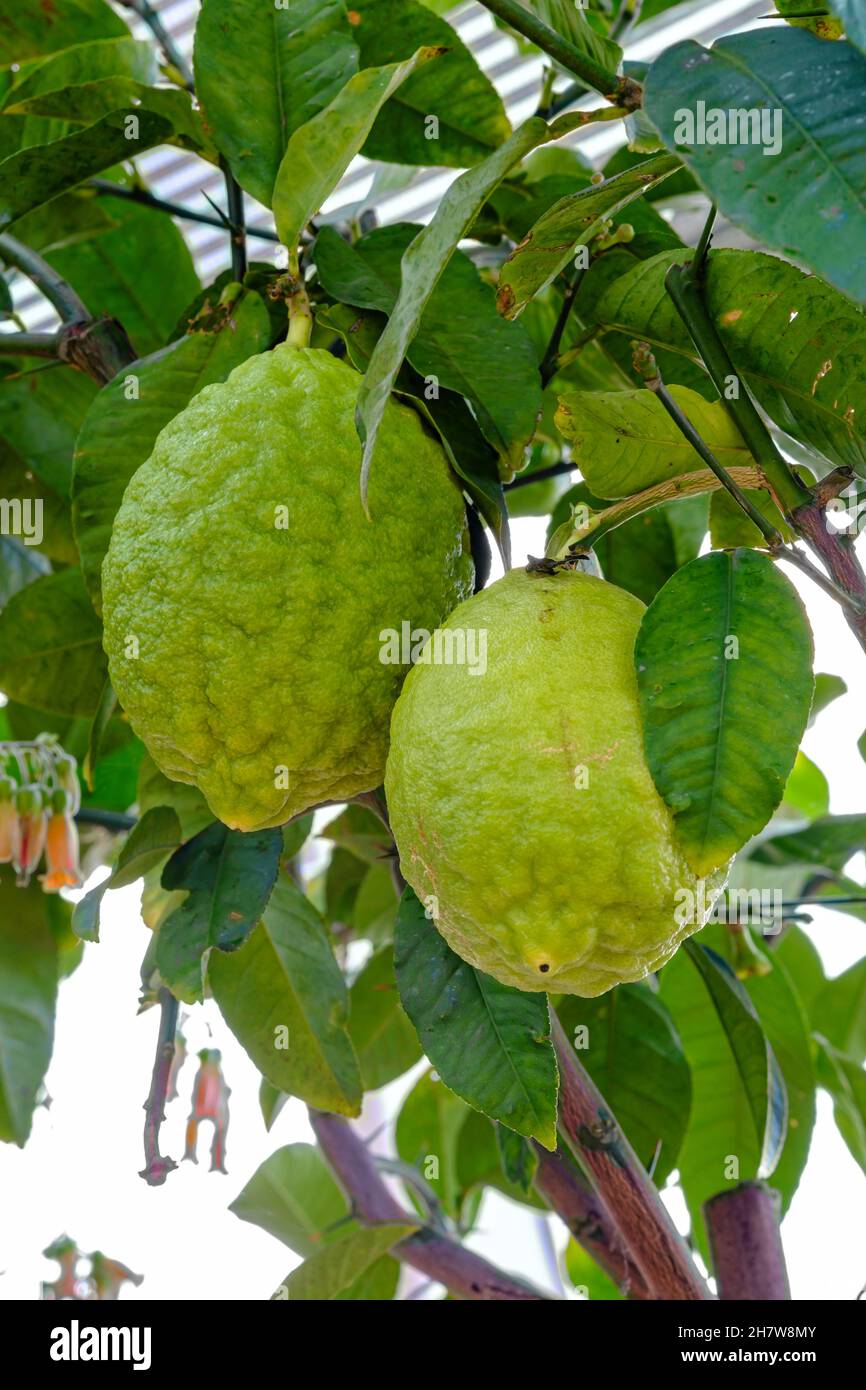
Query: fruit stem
(300, 309)
(599, 1144)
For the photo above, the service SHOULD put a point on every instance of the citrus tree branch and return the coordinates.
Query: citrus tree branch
(747, 1255)
(106, 189)
(643, 1222)
(622, 90)
(55, 289)
(173, 55)
(586, 1217)
(438, 1256)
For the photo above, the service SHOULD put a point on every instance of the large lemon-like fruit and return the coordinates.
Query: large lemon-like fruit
(250, 605)
(523, 809)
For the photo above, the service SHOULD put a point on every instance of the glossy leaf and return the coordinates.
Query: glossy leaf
(34, 176)
(139, 271)
(384, 1039)
(151, 840)
(320, 151)
(625, 441)
(294, 1197)
(426, 1134)
(28, 991)
(793, 175)
(798, 343)
(328, 1273)
(488, 1042)
(421, 267)
(573, 23)
(263, 71)
(807, 791)
(549, 246)
(461, 340)
(839, 1012)
(846, 1083)
(51, 653)
(40, 415)
(470, 116)
(853, 17)
(79, 64)
(284, 997)
(755, 1061)
(30, 30)
(725, 625)
(629, 1045)
(826, 844)
(120, 428)
(229, 877)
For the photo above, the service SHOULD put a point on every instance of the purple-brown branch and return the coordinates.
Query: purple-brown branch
(748, 1259)
(626, 1190)
(588, 1220)
(439, 1257)
(157, 1166)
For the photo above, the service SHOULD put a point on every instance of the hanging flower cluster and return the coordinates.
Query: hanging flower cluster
(39, 797)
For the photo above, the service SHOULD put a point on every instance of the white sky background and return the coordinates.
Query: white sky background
(79, 1172)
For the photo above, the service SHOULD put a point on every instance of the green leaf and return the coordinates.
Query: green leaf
(34, 176)
(846, 1082)
(426, 1134)
(28, 991)
(120, 428)
(587, 1276)
(573, 221)
(471, 119)
(330, 1272)
(40, 415)
(629, 1045)
(489, 1043)
(572, 22)
(827, 844)
(81, 63)
(86, 104)
(229, 876)
(139, 271)
(294, 1197)
(151, 840)
(722, 1147)
(421, 267)
(106, 708)
(625, 441)
(799, 345)
(320, 151)
(519, 1159)
(384, 1039)
(45, 522)
(853, 17)
(802, 965)
(729, 525)
(27, 31)
(807, 791)
(805, 96)
(271, 1102)
(263, 71)
(19, 565)
(723, 626)
(284, 998)
(755, 1061)
(839, 1012)
(827, 689)
(51, 653)
(461, 340)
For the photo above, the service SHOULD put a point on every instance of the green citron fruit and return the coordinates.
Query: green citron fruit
(250, 604)
(523, 809)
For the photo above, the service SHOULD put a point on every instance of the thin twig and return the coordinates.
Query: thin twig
(438, 1256)
(69, 306)
(109, 820)
(641, 1217)
(647, 368)
(156, 1165)
(235, 204)
(554, 470)
(550, 360)
(145, 11)
(622, 90)
(105, 188)
(702, 249)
